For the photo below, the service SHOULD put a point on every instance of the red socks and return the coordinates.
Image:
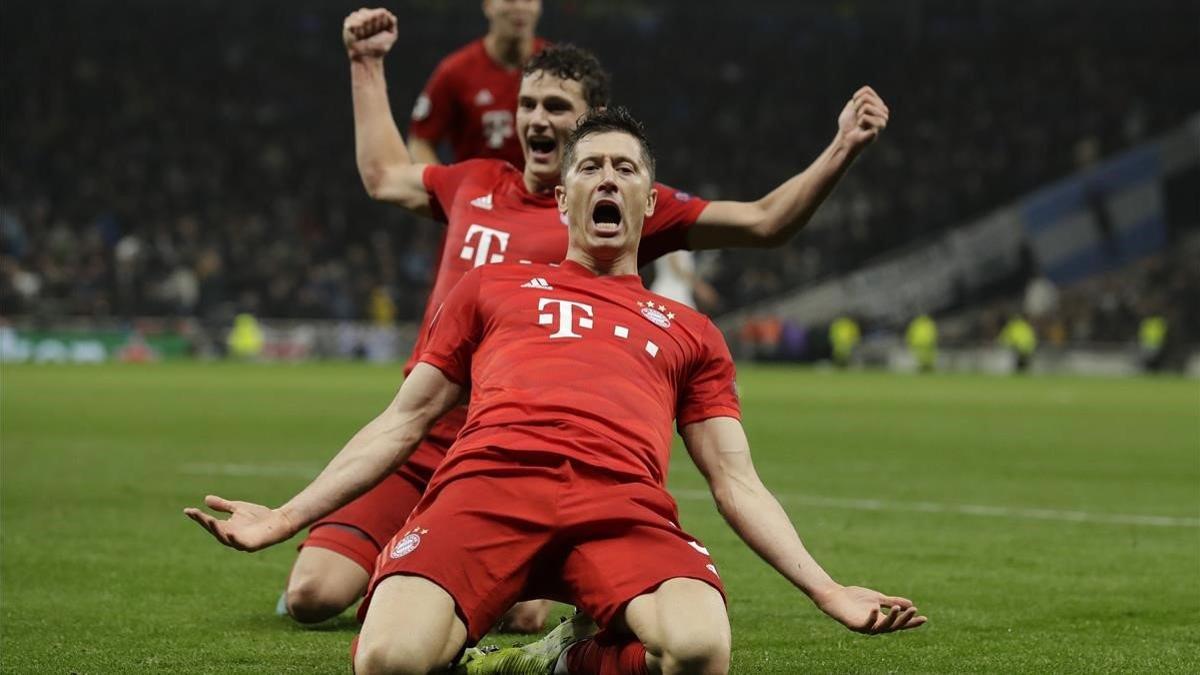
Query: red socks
(601, 655)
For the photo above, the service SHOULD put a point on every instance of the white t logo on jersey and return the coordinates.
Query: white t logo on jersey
(497, 127)
(481, 250)
(566, 317)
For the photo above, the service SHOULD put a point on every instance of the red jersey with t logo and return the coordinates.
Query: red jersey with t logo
(471, 100)
(491, 218)
(562, 362)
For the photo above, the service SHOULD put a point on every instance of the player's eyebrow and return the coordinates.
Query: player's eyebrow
(550, 100)
(616, 159)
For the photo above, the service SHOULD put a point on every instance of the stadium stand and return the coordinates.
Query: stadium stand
(206, 166)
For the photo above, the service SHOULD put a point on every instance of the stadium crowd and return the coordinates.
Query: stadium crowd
(203, 164)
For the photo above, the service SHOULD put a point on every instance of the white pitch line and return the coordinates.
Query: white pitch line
(309, 471)
(969, 510)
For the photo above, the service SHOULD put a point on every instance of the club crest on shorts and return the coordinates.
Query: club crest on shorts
(406, 545)
(655, 314)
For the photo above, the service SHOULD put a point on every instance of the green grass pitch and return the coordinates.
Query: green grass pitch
(1043, 524)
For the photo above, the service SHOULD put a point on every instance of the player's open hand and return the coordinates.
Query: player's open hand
(369, 33)
(250, 527)
(862, 610)
(863, 118)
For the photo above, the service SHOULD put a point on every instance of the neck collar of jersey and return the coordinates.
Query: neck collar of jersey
(576, 269)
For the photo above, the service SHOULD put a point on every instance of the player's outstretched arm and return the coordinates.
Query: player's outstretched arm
(387, 171)
(422, 151)
(720, 450)
(779, 215)
(377, 449)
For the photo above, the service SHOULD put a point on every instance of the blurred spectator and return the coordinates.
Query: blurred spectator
(245, 338)
(1019, 338)
(922, 340)
(1041, 298)
(1152, 340)
(844, 336)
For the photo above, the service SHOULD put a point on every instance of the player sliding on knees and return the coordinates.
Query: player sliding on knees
(496, 213)
(556, 485)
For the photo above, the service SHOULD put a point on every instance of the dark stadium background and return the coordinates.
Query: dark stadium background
(215, 140)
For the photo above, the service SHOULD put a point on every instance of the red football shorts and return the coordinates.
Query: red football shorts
(501, 532)
(382, 511)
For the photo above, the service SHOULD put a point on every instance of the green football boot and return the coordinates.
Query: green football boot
(536, 658)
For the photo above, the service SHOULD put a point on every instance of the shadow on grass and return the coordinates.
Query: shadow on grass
(344, 623)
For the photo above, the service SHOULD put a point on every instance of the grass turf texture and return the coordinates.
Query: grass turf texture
(102, 573)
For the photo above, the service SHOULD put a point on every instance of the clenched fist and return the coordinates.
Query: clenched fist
(863, 118)
(369, 33)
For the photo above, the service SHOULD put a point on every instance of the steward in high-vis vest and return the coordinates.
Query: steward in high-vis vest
(922, 342)
(1018, 336)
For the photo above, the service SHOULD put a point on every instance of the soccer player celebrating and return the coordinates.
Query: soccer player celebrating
(496, 213)
(470, 98)
(556, 485)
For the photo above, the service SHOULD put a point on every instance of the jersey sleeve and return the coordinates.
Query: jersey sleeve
(442, 182)
(435, 111)
(666, 230)
(710, 390)
(455, 331)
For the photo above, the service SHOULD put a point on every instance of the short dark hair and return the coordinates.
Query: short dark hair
(604, 120)
(568, 62)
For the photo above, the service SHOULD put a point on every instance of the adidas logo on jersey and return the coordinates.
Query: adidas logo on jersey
(484, 202)
(484, 97)
(537, 282)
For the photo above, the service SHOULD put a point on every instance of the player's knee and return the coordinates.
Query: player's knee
(311, 601)
(392, 657)
(703, 652)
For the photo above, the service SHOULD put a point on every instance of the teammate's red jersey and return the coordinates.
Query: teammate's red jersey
(491, 217)
(471, 101)
(562, 362)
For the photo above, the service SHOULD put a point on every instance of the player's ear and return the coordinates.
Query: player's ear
(651, 201)
(560, 196)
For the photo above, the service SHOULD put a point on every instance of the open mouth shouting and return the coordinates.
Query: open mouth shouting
(606, 217)
(542, 148)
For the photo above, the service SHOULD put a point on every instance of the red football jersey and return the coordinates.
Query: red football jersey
(471, 101)
(491, 217)
(566, 363)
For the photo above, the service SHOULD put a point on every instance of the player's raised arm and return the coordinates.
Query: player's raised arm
(376, 450)
(775, 218)
(387, 171)
(719, 448)
(422, 151)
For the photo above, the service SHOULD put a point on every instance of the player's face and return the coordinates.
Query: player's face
(513, 18)
(548, 110)
(607, 192)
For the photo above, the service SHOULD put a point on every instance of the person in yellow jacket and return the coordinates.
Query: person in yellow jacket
(844, 336)
(1019, 337)
(1152, 340)
(922, 342)
(245, 339)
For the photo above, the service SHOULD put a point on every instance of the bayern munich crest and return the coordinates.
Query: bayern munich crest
(655, 314)
(407, 545)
